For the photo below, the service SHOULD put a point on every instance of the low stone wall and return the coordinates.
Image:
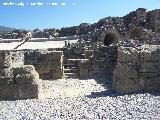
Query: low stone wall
(49, 64)
(17, 82)
(137, 69)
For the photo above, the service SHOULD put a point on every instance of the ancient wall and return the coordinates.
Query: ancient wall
(104, 61)
(49, 64)
(17, 82)
(17, 57)
(137, 69)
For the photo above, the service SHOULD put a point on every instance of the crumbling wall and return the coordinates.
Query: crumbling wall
(104, 61)
(17, 57)
(17, 82)
(49, 64)
(137, 69)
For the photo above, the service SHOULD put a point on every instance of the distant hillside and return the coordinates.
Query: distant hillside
(6, 29)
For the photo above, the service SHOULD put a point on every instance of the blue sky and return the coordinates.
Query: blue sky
(90, 11)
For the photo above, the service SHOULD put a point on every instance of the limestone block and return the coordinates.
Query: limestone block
(57, 74)
(83, 73)
(51, 56)
(85, 63)
(50, 65)
(151, 83)
(126, 70)
(8, 91)
(126, 85)
(26, 69)
(5, 59)
(6, 76)
(45, 75)
(149, 57)
(28, 91)
(27, 78)
(127, 56)
(147, 74)
(148, 66)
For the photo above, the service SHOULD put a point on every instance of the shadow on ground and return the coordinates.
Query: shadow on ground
(107, 83)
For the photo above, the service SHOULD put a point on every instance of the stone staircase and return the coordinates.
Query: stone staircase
(70, 70)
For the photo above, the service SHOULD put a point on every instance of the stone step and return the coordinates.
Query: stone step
(72, 70)
(70, 65)
(70, 75)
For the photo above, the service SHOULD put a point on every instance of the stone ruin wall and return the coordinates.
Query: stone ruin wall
(137, 70)
(103, 61)
(21, 72)
(49, 64)
(17, 82)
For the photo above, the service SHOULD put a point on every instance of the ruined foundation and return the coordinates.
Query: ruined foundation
(137, 69)
(17, 82)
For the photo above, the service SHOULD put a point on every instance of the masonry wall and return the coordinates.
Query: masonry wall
(49, 64)
(104, 61)
(137, 70)
(17, 82)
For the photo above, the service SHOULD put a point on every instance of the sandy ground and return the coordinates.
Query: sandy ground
(34, 45)
(70, 88)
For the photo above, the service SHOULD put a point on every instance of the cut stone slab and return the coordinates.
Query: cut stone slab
(5, 59)
(27, 78)
(8, 91)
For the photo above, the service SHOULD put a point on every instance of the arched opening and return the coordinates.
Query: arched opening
(109, 38)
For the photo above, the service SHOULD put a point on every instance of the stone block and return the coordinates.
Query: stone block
(50, 65)
(9, 91)
(26, 69)
(52, 56)
(148, 67)
(27, 78)
(5, 59)
(6, 76)
(83, 73)
(45, 75)
(150, 84)
(127, 56)
(28, 91)
(149, 57)
(57, 74)
(126, 70)
(126, 85)
(147, 74)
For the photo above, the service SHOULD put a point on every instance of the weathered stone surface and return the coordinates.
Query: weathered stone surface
(141, 73)
(45, 62)
(126, 85)
(127, 55)
(151, 83)
(57, 74)
(26, 69)
(52, 56)
(27, 78)
(9, 91)
(5, 59)
(6, 76)
(51, 65)
(28, 91)
(84, 73)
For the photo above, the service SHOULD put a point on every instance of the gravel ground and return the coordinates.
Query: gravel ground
(82, 99)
